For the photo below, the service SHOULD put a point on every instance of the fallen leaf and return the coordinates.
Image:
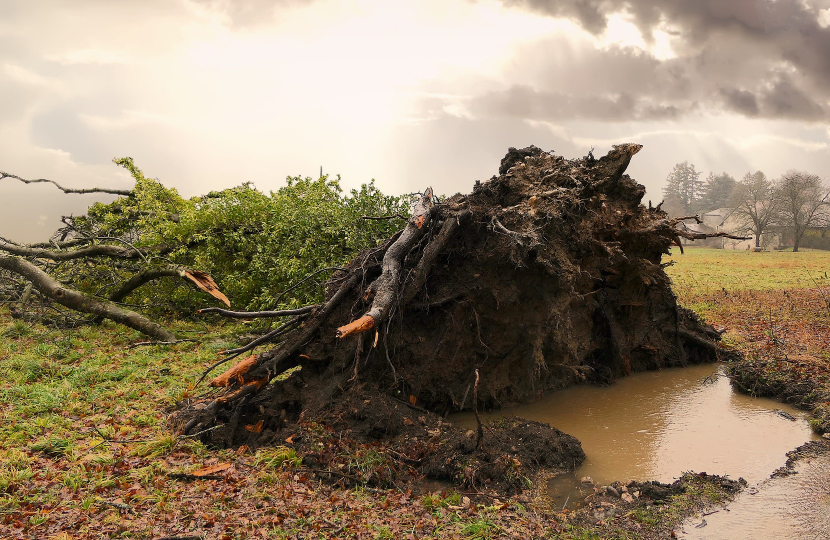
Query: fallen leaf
(204, 471)
(254, 428)
(412, 399)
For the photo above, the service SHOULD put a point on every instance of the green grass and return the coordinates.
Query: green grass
(705, 269)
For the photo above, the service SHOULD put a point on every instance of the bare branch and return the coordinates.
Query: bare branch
(386, 286)
(145, 276)
(123, 192)
(99, 250)
(258, 314)
(233, 353)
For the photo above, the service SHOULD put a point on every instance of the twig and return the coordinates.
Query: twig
(107, 440)
(199, 432)
(290, 325)
(480, 432)
(257, 314)
(311, 275)
(143, 343)
(386, 350)
(187, 476)
(120, 506)
(393, 216)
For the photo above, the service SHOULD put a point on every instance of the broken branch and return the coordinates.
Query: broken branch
(84, 303)
(124, 192)
(387, 285)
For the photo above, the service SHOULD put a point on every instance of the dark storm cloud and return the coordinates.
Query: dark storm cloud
(526, 102)
(759, 58)
(740, 101)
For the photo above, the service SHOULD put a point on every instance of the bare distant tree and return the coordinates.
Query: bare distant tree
(757, 206)
(804, 202)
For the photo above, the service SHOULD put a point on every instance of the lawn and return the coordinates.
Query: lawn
(85, 453)
(701, 270)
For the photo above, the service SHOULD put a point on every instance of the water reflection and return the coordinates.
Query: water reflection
(655, 425)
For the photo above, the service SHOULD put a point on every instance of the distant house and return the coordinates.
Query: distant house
(722, 220)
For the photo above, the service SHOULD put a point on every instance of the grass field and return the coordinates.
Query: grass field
(701, 270)
(85, 452)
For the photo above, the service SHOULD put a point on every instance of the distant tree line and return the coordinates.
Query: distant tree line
(793, 204)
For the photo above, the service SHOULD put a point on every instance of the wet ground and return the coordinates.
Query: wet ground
(656, 425)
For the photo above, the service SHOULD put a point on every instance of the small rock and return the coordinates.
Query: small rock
(470, 434)
(611, 491)
(465, 502)
(636, 494)
(627, 497)
(587, 480)
(826, 435)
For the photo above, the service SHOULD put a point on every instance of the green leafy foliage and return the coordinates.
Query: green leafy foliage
(254, 245)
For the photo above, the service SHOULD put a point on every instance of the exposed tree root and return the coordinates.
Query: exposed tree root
(547, 275)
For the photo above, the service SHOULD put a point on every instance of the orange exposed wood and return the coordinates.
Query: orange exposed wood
(206, 283)
(255, 428)
(419, 220)
(355, 327)
(236, 373)
(250, 388)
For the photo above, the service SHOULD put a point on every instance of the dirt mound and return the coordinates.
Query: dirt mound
(545, 276)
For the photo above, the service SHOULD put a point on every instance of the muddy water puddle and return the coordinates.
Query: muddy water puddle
(796, 506)
(656, 425)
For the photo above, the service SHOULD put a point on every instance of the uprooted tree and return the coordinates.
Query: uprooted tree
(546, 275)
(543, 276)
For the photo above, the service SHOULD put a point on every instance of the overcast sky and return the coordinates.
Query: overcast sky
(206, 94)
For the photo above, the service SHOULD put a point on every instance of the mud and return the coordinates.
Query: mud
(650, 510)
(376, 440)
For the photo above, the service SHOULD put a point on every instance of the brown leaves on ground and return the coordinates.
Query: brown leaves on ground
(213, 469)
(251, 501)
